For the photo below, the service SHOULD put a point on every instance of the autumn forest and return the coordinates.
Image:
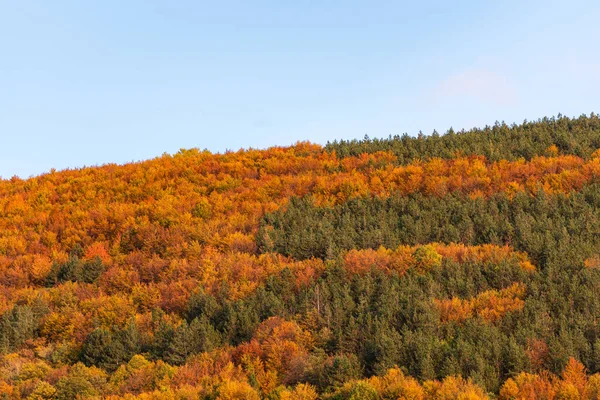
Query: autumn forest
(463, 265)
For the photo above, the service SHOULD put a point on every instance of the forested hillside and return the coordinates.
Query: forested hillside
(455, 266)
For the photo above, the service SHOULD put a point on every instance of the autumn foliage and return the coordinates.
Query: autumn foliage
(162, 279)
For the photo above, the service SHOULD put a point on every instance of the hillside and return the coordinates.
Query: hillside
(463, 265)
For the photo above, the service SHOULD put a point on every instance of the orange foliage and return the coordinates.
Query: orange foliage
(573, 384)
(277, 345)
(97, 250)
(425, 257)
(593, 262)
(537, 352)
(490, 305)
(395, 385)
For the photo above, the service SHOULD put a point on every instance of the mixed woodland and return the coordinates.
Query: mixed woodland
(457, 266)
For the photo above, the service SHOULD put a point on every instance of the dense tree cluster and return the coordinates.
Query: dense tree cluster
(547, 136)
(444, 267)
(549, 228)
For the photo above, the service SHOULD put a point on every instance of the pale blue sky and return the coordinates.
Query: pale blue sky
(92, 82)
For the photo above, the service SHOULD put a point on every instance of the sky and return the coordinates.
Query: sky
(92, 82)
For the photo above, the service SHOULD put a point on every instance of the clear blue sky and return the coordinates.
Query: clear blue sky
(91, 82)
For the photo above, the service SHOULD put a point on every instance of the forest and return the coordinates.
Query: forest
(459, 266)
